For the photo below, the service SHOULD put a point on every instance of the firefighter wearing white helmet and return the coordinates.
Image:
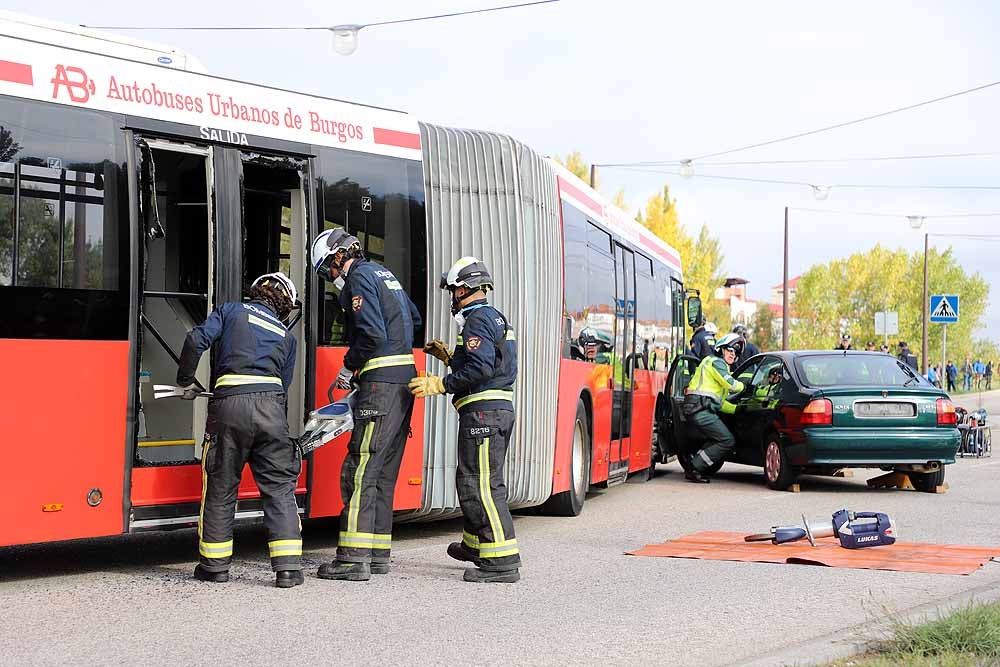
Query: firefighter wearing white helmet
(706, 396)
(483, 369)
(379, 322)
(703, 339)
(254, 364)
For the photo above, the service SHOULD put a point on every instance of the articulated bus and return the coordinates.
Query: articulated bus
(137, 192)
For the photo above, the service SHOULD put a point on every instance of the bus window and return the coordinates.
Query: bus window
(598, 336)
(381, 201)
(63, 224)
(575, 285)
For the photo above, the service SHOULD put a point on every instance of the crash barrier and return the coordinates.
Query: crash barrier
(899, 557)
(976, 436)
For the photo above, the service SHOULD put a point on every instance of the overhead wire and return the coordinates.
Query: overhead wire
(881, 158)
(360, 25)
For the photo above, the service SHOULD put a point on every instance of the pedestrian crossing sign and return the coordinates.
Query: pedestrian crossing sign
(944, 308)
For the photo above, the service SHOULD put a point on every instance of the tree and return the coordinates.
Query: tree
(8, 147)
(576, 164)
(846, 293)
(763, 330)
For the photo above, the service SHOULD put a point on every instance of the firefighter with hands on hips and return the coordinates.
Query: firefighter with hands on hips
(706, 396)
(247, 422)
(380, 320)
(483, 370)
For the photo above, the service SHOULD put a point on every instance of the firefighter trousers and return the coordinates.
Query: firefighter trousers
(719, 441)
(241, 429)
(483, 437)
(368, 478)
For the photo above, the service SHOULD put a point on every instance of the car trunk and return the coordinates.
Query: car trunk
(875, 407)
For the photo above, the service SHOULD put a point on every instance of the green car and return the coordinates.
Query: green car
(816, 412)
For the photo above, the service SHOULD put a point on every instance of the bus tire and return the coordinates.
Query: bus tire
(570, 503)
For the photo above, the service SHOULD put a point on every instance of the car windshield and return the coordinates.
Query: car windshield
(830, 370)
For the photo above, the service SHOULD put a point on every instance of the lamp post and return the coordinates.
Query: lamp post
(916, 222)
(784, 291)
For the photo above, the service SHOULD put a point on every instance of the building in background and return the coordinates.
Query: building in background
(741, 307)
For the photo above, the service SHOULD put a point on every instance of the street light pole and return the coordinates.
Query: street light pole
(784, 291)
(924, 309)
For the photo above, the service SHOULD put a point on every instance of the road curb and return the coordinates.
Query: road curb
(856, 639)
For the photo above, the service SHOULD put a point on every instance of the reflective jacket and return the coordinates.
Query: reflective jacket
(484, 363)
(255, 351)
(713, 380)
(380, 319)
(702, 343)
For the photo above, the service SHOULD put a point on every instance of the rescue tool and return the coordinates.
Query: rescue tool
(173, 391)
(327, 423)
(855, 530)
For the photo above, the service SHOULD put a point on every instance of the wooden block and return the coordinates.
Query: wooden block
(890, 480)
(846, 474)
(942, 488)
(794, 488)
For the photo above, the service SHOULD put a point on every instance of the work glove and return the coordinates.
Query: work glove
(428, 385)
(344, 377)
(191, 392)
(437, 348)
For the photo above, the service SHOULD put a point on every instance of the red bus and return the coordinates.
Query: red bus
(137, 192)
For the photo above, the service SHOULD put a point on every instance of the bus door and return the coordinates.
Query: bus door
(624, 363)
(678, 317)
(211, 219)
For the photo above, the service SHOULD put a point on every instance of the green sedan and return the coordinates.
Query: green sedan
(816, 412)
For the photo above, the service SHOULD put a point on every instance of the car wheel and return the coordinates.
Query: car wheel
(778, 472)
(927, 481)
(570, 503)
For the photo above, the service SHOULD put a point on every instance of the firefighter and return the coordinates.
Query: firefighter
(703, 339)
(483, 370)
(706, 396)
(254, 362)
(380, 319)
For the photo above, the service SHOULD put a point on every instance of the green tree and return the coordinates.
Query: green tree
(845, 294)
(8, 147)
(765, 330)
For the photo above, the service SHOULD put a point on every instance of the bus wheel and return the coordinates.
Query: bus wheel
(570, 503)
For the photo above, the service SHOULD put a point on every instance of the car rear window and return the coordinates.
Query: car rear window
(830, 370)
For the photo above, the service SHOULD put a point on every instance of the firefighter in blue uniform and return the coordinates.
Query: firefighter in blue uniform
(703, 339)
(379, 326)
(483, 370)
(706, 396)
(254, 363)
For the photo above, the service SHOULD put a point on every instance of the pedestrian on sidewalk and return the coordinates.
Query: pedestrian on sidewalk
(951, 372)
(988, 375)
(967, 375)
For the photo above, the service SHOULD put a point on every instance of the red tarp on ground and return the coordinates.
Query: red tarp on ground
(901, 556)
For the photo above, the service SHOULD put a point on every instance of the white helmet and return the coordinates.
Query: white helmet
(280, 281)
(467, 272)
(326, 246)
(711, 328)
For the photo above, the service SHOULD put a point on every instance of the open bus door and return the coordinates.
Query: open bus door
(211, 219)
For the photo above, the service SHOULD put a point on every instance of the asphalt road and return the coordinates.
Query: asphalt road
(130, 600)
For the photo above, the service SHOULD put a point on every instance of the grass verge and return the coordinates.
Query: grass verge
(968, 637)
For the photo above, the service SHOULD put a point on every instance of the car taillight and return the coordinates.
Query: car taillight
(818, 412)
(946, 412)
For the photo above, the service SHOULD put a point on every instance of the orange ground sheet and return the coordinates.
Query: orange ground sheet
(901, 556)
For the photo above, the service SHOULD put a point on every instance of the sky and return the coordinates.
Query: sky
(636, 81)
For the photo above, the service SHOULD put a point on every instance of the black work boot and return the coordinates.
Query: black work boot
(479, 576)
(289, 578)
(459, 551)
(696, 477)
(380, 566)
(201, 574)
(345, 571)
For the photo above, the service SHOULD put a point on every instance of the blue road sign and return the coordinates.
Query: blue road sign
(944, 308)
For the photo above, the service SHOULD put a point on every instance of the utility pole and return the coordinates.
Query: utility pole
(784, 291)
(924, 309)
(593, 176)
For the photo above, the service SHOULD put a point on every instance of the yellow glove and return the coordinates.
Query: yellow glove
(425, 386)
(437, 348)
